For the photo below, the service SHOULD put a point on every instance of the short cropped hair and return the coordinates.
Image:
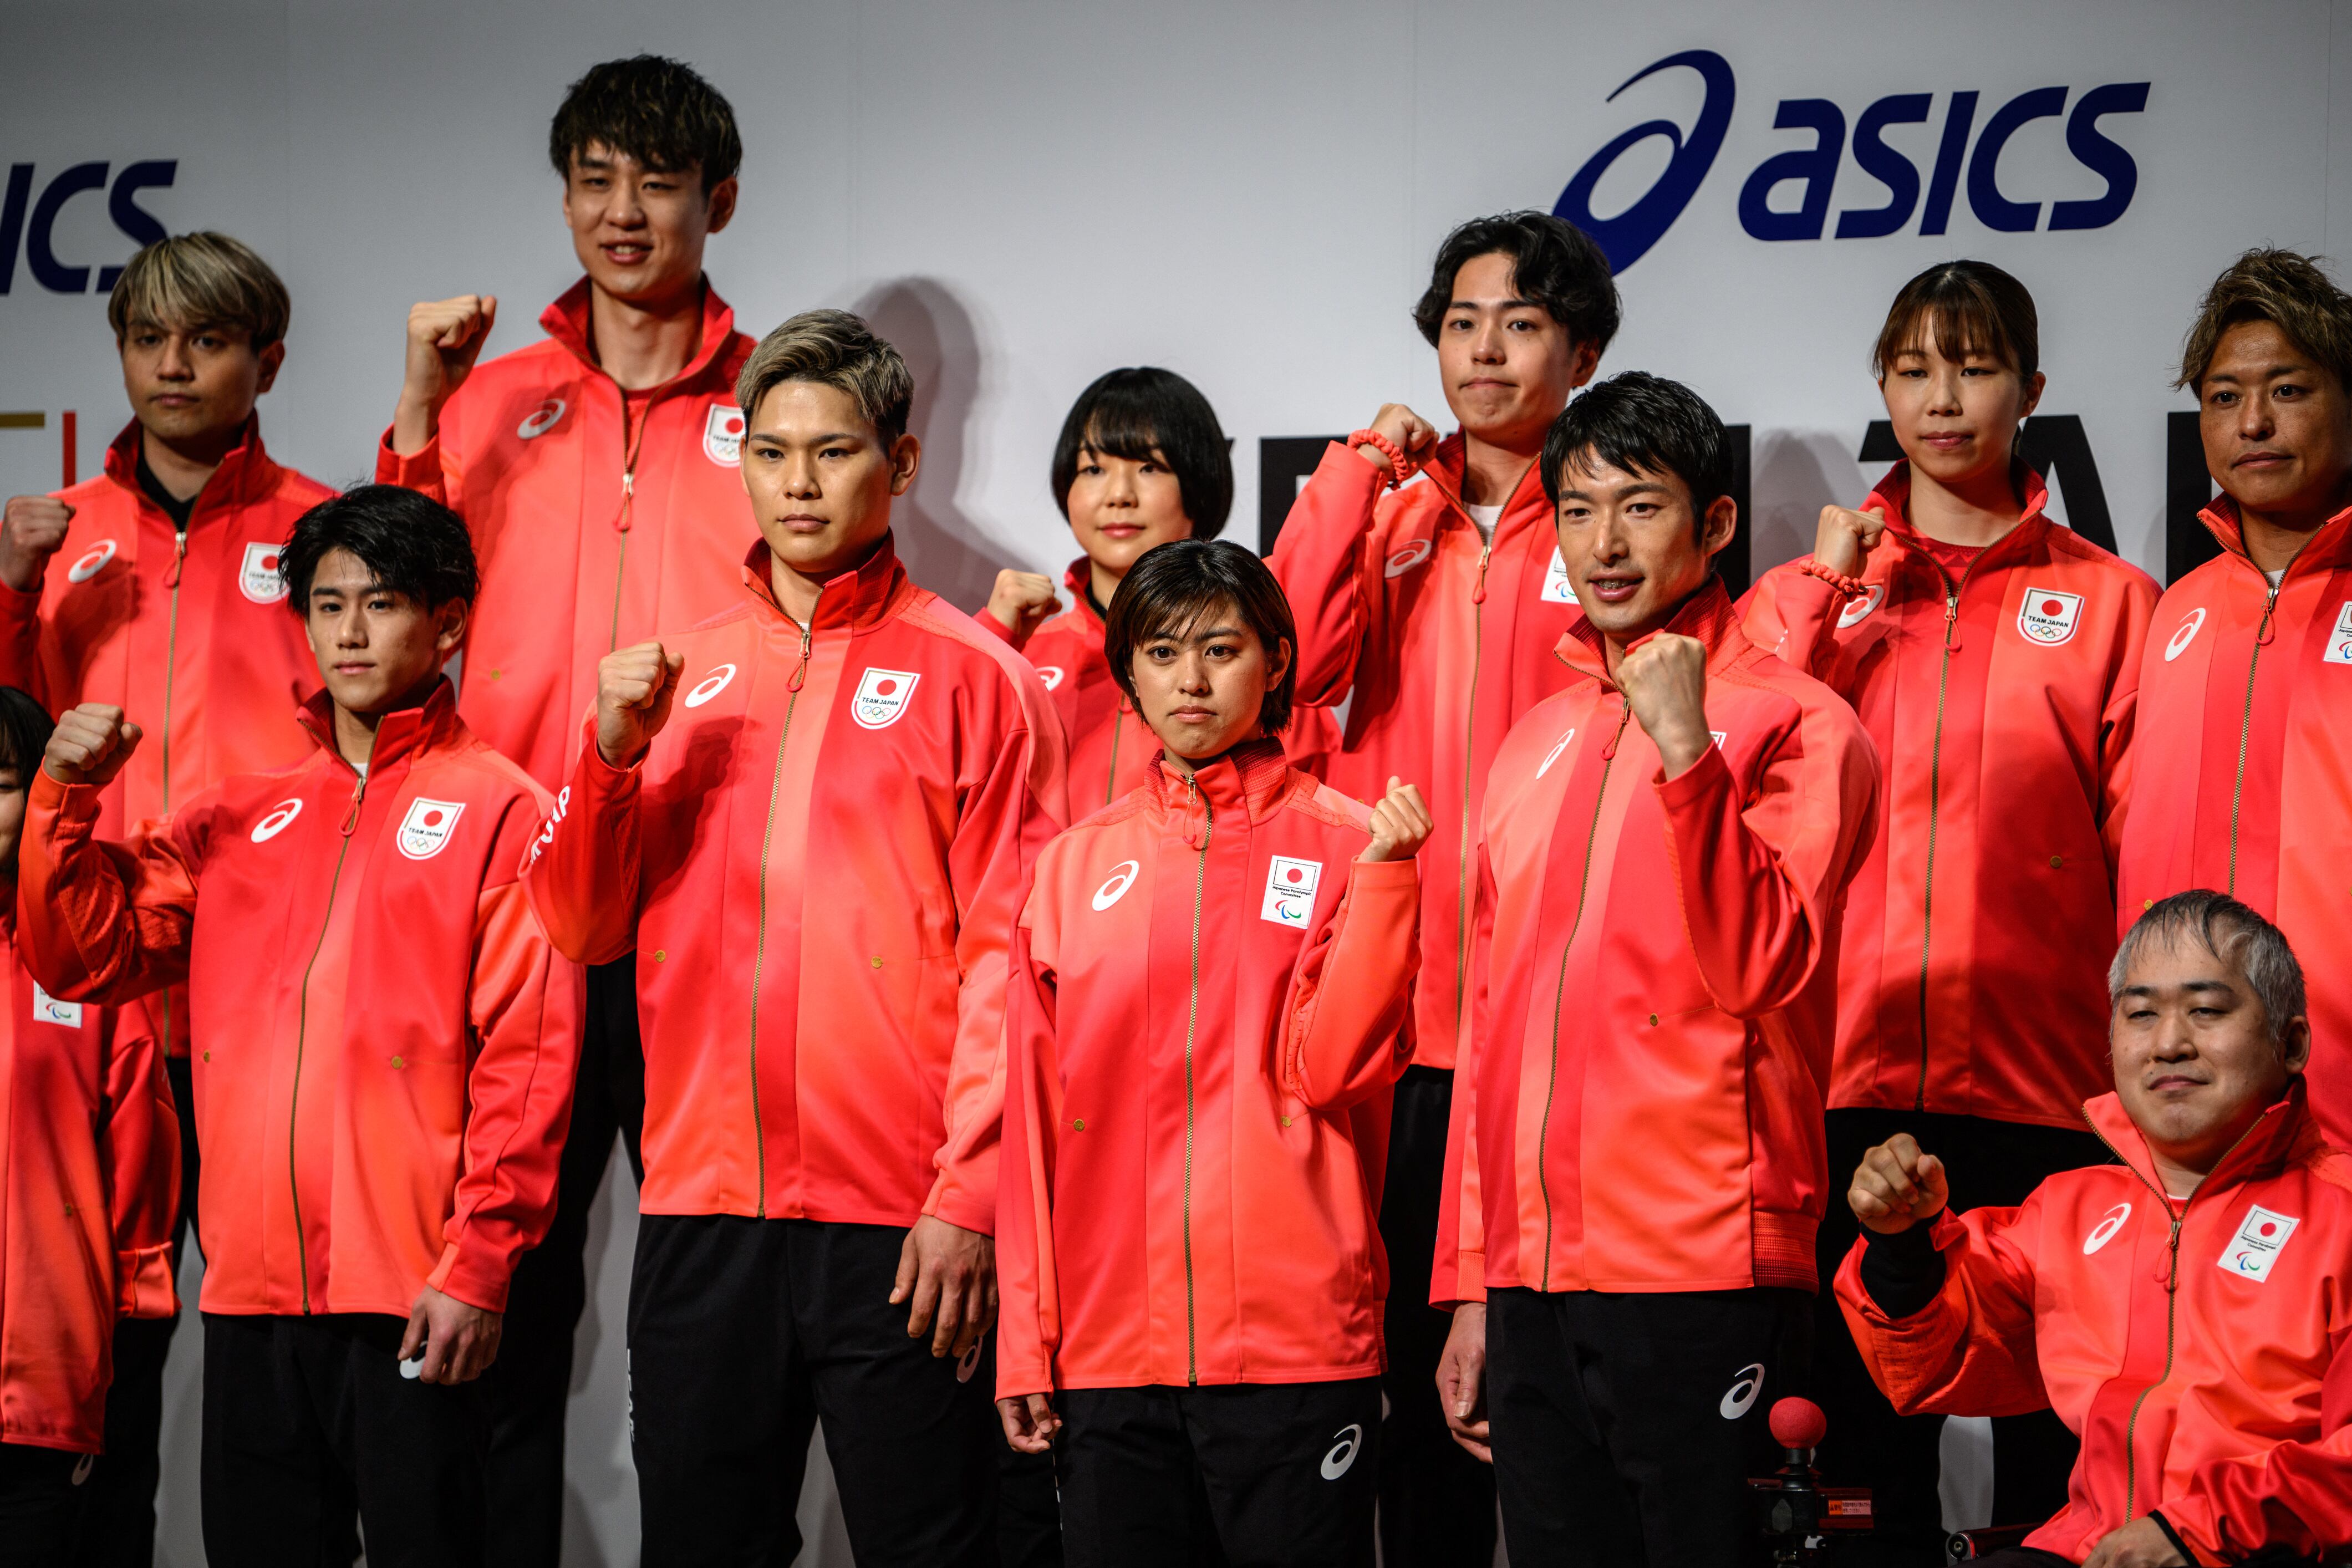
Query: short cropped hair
(659, 111)
(1132, 412)
(1972, 307)
(1171, 586)
(2231, 933)
(2285, 289)
(25, 727)
(1642, 424)
(1553, 263)
(411, 544)
(200, 280)
(833, 348)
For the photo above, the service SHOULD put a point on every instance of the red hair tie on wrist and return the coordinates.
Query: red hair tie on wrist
(1401, 468)
(1852, 587)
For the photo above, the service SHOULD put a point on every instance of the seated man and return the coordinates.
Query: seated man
(2188, 1312)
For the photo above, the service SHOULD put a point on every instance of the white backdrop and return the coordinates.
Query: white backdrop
(1025, 194)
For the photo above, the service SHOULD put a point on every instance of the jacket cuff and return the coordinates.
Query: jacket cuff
(16, 606)
(949, 1201)
(1468, 1286)
(1692, 786)
(420, 470)
(1904, 1272)
(1384, 876)
(2173, 1535)
(73, 804)
(143, 1287)
(1343, 471)
(1018, 1380)
(472, 1272)
(996, 628)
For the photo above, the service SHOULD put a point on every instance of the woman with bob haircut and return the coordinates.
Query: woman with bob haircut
(1205, 1013)
(1993, 656)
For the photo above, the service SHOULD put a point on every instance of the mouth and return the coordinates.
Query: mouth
(2175, 1083)
(1485, 383)
(2263, 459)
(352, 670)
(1614, 590)
(627, 253)
(1192, 716)
(1120, 530)
(803, 523)
(1947, 440)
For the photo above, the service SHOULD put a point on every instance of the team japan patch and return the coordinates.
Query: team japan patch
(2340, 641)
(2256, 1246)
(425, 831)
(1556, 588)
(48, 1009)
(881, 697)
(258, 579)
(2048, 617)
(1290, 891)
(722, 435)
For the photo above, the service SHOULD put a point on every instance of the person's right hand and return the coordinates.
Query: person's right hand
(90, 745)
(1462, 1381)
(1845, 537)
(30, 531)
(1029, 1422)
(1414, 436)
(1021, 601)
(1897, 1186)
(634, 687)
(444, 339)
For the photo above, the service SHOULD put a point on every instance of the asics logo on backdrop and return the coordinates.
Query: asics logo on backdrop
(1961, 159)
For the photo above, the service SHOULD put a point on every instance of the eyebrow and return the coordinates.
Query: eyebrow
(1209, 636)
(2276, 370)
(1511, 304)
(824, 440)
(1638, 488)
(2194, 987)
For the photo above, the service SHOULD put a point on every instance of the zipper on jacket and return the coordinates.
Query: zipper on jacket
(1117, 722)
(171, 667)
(1935, 805)
(2245, 731)
(1469, 762)
(760, 941)
(636, 436)
(1560, 986)
(302, 1032)
(1191, 1027)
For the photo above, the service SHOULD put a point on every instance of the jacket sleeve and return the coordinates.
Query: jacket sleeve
(1029, 1323)
(1344, 1037)
(436, 472)
(1970, 1352)
(1457, 1270)
(141, 1156)
(999, 630)
(1017, 808)
(2297, 1495)
(1794, 616)
(103, 923)
(20, 640)
(1320, 562)
(581, 872)
(2119, 720)
(1761, 880)
(524, 1008)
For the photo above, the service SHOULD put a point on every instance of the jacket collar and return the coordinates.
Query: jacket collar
(2329, 548)
(1708, 615)
(862, 597)
(567, 321)
(1893, 498)
(1080, 581)
(1250, 778)
(1449, 462)
(246, 475)
(400, 736)
(2283, 1134)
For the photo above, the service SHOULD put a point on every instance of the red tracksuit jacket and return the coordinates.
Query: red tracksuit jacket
(818, 862)
(1438, 644)
(2202, 1351)
(599, 518)
(1656, 963)
(386, 1041)
(1972, 966)
(87, 1139)
(2243, 779)
(1203, 1018)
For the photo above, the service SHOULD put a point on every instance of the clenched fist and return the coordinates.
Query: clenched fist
(1664, 682)
(30, 532)
(1897, 1186)
(444, 339)
(1021, 601)
(90, 745)
(1845, 537)
(1414, 436)
(1400, 823)
(634, 688)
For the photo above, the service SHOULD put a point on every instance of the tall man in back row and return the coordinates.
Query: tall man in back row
(1433, 612)
(596, 470)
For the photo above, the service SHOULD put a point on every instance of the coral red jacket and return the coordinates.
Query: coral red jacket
(818, 862)
(1972, 967)
(1656, 963)
(190, 634)
(599, 518)
(1438, 644)
(2243, 779)
(1204, 1015)
(1112, 750)
(385, 1041)
(2202, 1351)
(85, 1110)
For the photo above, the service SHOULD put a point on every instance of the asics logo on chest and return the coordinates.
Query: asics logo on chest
(710, 686)
(2185, 633)
(280, 817)
(542, 419)
(2105, 1231)
(1122, 877)
(92, 562)
(1405, 559)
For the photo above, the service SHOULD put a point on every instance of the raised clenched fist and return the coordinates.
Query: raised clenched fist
(90, 745)
(634, 688)
(30, 532)
(1400, 824)
(1414, 436)
(1845, 537)
(444, 339)
(1897, 1186)
(1021, 601)
(1664, 682)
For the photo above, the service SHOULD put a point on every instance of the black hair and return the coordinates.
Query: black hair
(1169, 588)
(1127, 413)
(1969, 307)
(25, 727)
(1642, 424)
(659, 111)
(413, 545)
(1553, 263)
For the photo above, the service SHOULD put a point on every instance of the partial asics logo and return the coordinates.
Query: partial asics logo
(542, 419)
(882, 697)
(722, 435)
(1343, 1452)
(2048, 617)
(82, 1467)
(258, 578)
(92, 562)
(281, 814)
(425, 831)
(1405, 559)
(2105, 1231)
(1871, 597)
(2187, 634)
(710, 685)
(2256, 1246)
(970, 1362)
(1741, 1395)
(1050, 674)
(1553, 756)
(1122, 877)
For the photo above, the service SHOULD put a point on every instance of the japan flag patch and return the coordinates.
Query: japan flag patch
(425, 831)
(1290, 891)
(881, 697)
(2048, 617)
(1556, 588)
(2340, 641)
(258, 579)
(2256, 1246)
(48, 1009)
(722, 435)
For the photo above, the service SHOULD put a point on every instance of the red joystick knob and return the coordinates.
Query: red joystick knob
(1798, 1424)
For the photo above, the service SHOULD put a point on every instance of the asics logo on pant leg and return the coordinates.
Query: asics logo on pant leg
(1343, 1452)
(1743, 1392)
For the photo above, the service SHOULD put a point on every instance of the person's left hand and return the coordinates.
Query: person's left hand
(949, 1274)
(2139, 1544)
(1399, 825)
(459, 1340)
(1665, 683)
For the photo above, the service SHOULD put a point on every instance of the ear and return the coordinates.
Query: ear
(720, 207)
(1717, 528)
(906, 456)
(2295, 1050)
(1583, 360)
(451, 633)
(1279, 663)
(2032, 399)
(272, 359)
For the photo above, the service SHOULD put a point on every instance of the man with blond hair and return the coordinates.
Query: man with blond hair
(154, 587)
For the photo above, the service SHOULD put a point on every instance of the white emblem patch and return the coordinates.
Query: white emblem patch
(2256, 1246)
(2105, 1231)
(2185, 634)
(425, 831)
(1556, 588)
(722, 435)
(1050, 674)
(1871, 597)
(710, 686)
(881, 697)
(281, 814)
(1741, 1396)
(1122, 877)
(2340, 641)
(1343, 1452)
(542, 419)
(1553, 756)
(2048, 617)
(92, 562)
(1290, 891)
(1405, 559)
(257, 579)
(48, 1009)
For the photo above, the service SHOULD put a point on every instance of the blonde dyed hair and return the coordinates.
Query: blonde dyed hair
(200, 280)
(2285, 289)
(836, 348)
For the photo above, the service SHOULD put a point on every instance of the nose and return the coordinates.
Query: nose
(350, 628)
(1486, 345)
(1612, 540)
(1944, 389)
(800, 477)
(1192, 675)
(2256, 417)
(173, 363)
(629, 208)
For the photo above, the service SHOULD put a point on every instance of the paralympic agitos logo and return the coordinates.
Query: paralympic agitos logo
(1961, 162)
